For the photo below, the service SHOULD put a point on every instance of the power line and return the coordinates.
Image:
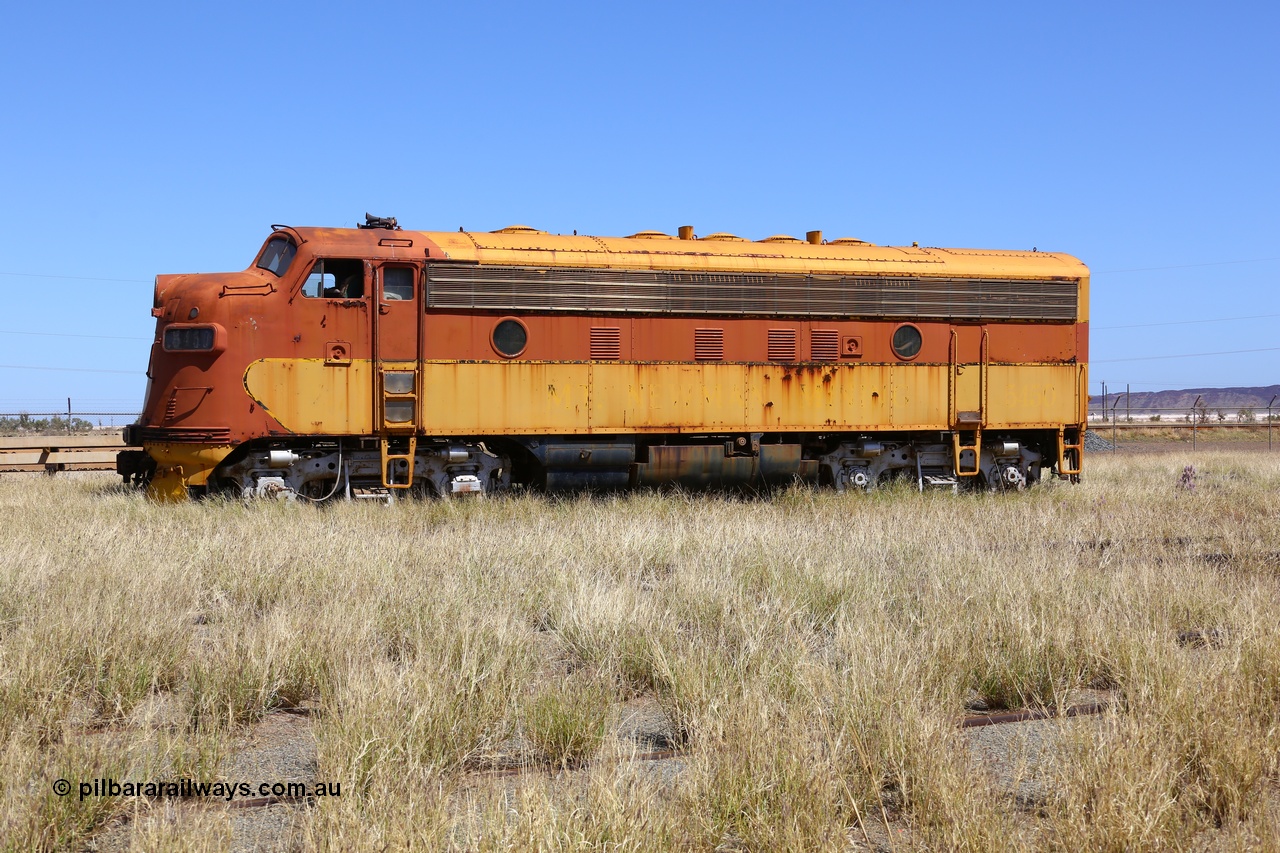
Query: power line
(1183, 322)
(76, 277)
(71, 335)
(68, 369)
(1184, 355)
(1187, 266)
(1150, 383)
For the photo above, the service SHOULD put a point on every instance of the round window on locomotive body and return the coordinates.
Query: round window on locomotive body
(906, 342)
(510, 337)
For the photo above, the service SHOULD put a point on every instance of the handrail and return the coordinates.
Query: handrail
(1063, 447)
(953, 356)
(984, 356)
(958, 448)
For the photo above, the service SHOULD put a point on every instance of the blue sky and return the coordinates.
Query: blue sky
(142, 139)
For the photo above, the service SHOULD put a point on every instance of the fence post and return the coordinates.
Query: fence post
(68, 416)
(1269, 405)
(1195, 419)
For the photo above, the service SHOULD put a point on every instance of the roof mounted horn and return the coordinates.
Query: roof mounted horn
(387, 222)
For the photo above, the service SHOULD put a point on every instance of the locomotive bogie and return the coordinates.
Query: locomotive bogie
(332, 470)
(1001, 465)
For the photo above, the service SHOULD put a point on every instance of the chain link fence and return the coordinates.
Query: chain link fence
(1113, 415)
(68, 422)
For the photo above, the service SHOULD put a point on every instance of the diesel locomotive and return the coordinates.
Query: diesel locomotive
(380, 362)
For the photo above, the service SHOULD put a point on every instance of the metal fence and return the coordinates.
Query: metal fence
(1116, 413)
(65, 422)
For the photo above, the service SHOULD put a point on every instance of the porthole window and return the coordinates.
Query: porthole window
(906, 342)
(510, 337)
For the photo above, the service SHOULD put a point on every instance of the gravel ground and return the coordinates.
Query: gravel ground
(644, 722)
(280, 748)
(1019, 755)
(1095, 443)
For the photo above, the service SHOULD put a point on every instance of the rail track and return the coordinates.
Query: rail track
(50, 454)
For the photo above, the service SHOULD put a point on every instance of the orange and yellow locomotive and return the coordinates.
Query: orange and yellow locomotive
(377, 361)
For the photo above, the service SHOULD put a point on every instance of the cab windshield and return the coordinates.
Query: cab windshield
(277, 255)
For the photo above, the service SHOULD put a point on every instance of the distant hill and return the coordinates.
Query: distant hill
(1230, 400)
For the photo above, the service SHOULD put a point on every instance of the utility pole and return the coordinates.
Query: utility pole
(1114, 424)
(1269, 405)
(1195, 418)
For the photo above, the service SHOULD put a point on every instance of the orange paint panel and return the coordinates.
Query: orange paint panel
(675, 397)
(829, 397)
(559, 337)
(1018, 343)
(308, 396)
(182, 465)
(1020, 394)
(919, 397)
(504, 398)
(489, 398)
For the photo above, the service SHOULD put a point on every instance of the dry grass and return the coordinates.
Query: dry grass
(812, 651)
(1207, 435)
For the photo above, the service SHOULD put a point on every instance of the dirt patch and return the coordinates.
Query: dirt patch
(281, 748)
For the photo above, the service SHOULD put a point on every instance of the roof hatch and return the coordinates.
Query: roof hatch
(517, 229)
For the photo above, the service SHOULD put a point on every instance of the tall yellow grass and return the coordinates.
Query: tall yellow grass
(812, 651)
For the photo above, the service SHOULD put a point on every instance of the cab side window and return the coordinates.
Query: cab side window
(397, 283)
(334, 278)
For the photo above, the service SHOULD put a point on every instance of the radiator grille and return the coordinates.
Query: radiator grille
(206, 435)
(708, 344)
(606, 343)
(656, 292)
(824, 345)
(782, 344)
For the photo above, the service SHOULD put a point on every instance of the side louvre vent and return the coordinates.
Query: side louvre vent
(606, 343)
(782, 344)
(516, 289)
(824, 345)
(708, 344)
